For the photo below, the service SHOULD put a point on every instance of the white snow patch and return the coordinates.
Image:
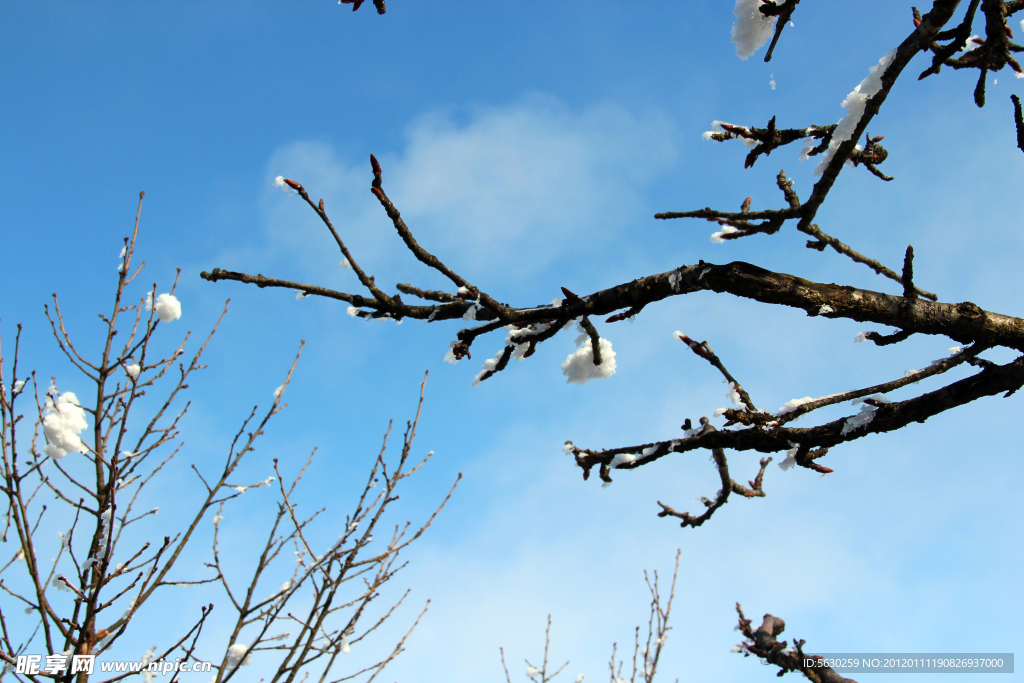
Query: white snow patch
(450, 356)
(622, 459)
(790, 459)
(854, 105)
(489, 366)
(168, 307)
(63, 421)
(238, 655)
(751, 29)
(971, 45)
(579, 367)
(726, 230)
(865, 416)
(133, 370)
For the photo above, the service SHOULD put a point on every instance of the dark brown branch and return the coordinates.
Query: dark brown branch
(422, 254)
(992, 380)
(773, 221)
(379, 4)
(908, 274)
(703, 350)
(783, 11)
(960, 35)
(728, 486)
(920, 38)
(595, 339)
(762, 643)
(1018, 120)
(964, 322)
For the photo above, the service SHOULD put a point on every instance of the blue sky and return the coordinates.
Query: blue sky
(529, 145)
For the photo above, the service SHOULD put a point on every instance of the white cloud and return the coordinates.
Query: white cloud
(533, 180)
(528, 184)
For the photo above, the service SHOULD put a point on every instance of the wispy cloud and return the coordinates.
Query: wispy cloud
(520, 186)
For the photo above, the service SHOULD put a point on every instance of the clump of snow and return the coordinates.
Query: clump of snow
(805, 153)
(279, 182)
(622, 459)
(972, 45)
(278, 392)
(133, 370)
(470, 313)
(168, 307)
(794, 404)
(556, 303)
(751, 29)
(719, 412)
(825, 308)
(865, 416)
(352, 311)
(726, 230)
(733, 395)
(861, 336)
(63, 421)
(567, 448)
(955, 349)
(450, 356)
(238, 655)
(300, 295)
(854, 105)
(790, 459)
(520, 351)
(716, 127)
(106, 530)
(772, 82)
(579, 366)
(489, 366)
(345, 265)
(675, 279)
